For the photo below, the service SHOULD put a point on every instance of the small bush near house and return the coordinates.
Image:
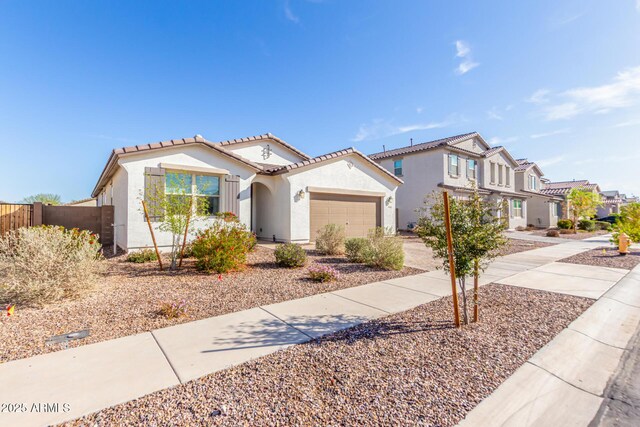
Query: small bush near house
(223, 247)
(355, 247)
(323, 273)
(553, 233)
(383, 250)
(46, 264)
(330, 240)
(290, 255)
(566, 231)
(587, 225)
(565, 224)
(173, 310)
(188, 250)
(520, 228)
(603, 225)
(227, 216)
(145, 255)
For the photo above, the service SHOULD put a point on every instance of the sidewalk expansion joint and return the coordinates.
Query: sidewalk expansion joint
(286, 323)
(621, 302)
(563, 380)
(422, 292)
(361, 303)
(595, 339)
(167, 358)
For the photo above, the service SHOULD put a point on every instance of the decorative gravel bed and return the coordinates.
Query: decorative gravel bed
(411, 368)
(606, 256)
(514, 246)
(581, 235)
(127, 300)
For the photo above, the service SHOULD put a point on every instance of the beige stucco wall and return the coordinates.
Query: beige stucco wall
(256, 151)
(542, 212)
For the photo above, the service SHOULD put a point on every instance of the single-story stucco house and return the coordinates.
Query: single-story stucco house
(276, 190)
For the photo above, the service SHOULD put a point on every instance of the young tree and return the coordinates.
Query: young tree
(477, 235)
(45, 198)
(582, 204)
(176, 209)
(628, 223)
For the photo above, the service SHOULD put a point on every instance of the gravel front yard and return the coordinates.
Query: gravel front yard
(127, 300)
(515, 245)
(605, 257)
(411, 368)
(581, 235)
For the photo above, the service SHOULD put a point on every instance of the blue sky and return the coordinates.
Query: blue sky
(557, 82)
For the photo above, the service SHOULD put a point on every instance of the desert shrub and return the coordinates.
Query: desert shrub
(227, 216)
(323, 273)
(520, 228)
(553, 233)
(144, 255)
(290, 255)
(173, 310)
(355, 247)
(223, 247)
(628, 222)
(587, 225)
(603, 225)
(330, 239)
(566, 231)
(383, 250)
(188, 250)
(565, 224)
(46, 264)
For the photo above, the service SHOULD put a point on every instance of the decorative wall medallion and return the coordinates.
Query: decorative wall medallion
(350, 164)
(266, 152)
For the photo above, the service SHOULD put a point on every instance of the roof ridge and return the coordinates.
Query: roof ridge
(423, 145)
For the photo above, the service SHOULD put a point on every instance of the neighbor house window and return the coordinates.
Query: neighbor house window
(453, 165)
(507, 176)
(517, 208)
(492, 166)
(204, 188)
(500, 173)
(397, 167)
(471, 169)
(532, 182)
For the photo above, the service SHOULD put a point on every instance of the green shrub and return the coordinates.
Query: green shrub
(603, 225)
(173, 310)
(223, 247)
(587, 225)
(330, 240)
(383, 250)
(354, 248)
(144, 255)
(290, 255)
(628, 222)
(565, 224)
(46, 264)
(323, 273)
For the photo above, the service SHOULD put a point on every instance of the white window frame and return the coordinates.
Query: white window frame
(395, 169)
(492, 172)
(532, 182)
(507, 175)
(500, 174)
(472, 172)
(516, 211)
(457, 165)
(194, 187)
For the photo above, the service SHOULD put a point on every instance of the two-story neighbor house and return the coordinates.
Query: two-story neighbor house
(612, 202)
(543, 210)
(456, 163)
(562, 189)
(276, 190)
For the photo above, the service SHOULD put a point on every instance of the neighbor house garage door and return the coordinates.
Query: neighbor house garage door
(358, 214)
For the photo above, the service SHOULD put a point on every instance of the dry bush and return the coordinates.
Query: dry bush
(41, 265)
(330, 240)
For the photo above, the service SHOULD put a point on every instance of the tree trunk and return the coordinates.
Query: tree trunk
(465, 317)
(476, 273)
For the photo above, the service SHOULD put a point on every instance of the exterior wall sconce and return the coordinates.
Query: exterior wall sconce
(389, 201)
(300, 194)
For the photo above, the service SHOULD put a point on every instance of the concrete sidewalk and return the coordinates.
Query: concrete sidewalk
(564, 383)
(92, 377)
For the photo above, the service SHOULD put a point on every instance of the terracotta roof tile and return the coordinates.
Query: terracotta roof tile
(422, 146)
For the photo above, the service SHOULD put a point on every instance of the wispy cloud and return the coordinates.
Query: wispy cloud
(496, 140)
(623, 91)
(494, 114)
(627, 123)
(288, 13)
(539, 97)
(419, 110)
(550, 161)
(552, 133)
(383, 128)
(464, 51)
(638, 5)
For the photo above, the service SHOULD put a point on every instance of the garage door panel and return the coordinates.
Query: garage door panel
(358, 214)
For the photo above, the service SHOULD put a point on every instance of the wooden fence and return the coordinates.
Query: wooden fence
(13, 217)
(96, 219)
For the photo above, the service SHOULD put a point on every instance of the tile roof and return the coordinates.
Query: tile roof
(261, 138)
(567, 184)
(492, 151)
(424, 146)
(334, 155)
(523, 165)
(564, 187)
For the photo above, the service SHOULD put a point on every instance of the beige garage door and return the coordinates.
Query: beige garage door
(358, 214)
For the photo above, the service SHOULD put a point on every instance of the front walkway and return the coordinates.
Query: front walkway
(92, 377)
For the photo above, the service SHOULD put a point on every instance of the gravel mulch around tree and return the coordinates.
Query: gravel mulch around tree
(127, 300)
(411, 368)
(515, 246)
(581, 235)
(606, 256)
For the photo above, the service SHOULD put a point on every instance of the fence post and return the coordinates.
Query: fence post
(38, 214)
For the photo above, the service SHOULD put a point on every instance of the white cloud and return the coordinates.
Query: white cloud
(550, 161)
(382, 128)
(638, 5)
(552, 133)
(419, 110)
(627, 123)
(464, 51)
(494, 114)
(288, 13)
(539, 96)
(622, 92)
(496, 140)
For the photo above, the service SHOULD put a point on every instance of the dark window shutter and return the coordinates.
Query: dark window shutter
(231, 194)
(154, 192)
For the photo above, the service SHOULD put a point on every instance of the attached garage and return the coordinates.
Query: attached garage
(357, 213)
